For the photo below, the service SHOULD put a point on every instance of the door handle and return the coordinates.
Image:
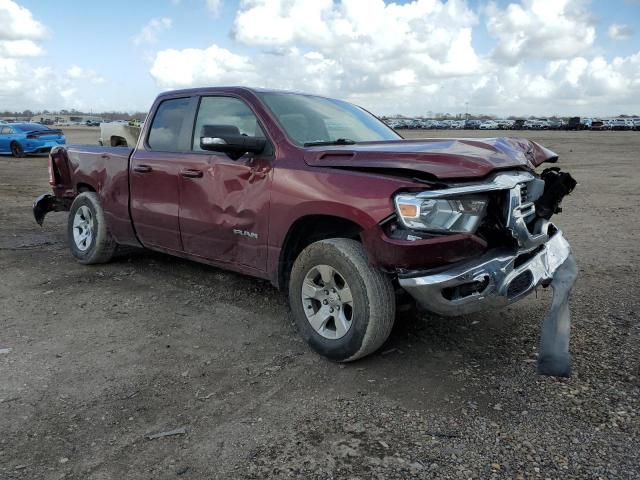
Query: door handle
(142, 169)
(191, 173)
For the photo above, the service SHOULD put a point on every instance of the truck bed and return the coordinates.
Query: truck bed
(104, 170)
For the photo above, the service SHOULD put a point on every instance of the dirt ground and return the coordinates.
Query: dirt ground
(94, 359)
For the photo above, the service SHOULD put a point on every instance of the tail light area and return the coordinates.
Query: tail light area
(53, 174)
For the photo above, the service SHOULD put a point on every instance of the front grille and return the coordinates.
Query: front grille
(519, 284)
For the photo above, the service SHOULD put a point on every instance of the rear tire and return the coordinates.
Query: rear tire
(316, 301)
(89, 238)
(16, 150)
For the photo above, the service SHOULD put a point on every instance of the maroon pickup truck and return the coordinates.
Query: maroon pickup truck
(328, 203)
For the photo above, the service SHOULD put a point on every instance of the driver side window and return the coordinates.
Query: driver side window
(228, 113)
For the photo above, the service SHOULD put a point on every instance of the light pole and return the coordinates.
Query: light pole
(466, 110)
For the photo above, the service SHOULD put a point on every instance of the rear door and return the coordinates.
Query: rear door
(155, 171)
(224, 203)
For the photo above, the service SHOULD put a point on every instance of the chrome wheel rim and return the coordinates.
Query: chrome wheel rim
(83, 228)
(327, 301)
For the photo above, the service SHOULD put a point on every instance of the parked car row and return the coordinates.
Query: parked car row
(574, 123)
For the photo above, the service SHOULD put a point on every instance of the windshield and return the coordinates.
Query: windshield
(316, 120)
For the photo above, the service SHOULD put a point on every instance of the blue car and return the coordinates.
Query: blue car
(19, 139)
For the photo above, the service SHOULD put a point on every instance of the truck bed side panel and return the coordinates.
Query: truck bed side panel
(105, 170)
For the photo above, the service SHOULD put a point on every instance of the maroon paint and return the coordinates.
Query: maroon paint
(441, 158)
(193, 216)
(386, 252)
(230, 195)
(155, 197)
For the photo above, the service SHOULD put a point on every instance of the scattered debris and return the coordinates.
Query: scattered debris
(206, 397)
(177, 431)
(182, 471)
(64, 460)
(131, 395)
(391, 350)
(10, 399)
(383, 443)
(4, 350)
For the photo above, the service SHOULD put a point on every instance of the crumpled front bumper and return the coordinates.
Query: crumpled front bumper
(496, 279)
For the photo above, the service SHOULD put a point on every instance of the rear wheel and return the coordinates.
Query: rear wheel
(17, 150)
(344, 307)
(89, 237)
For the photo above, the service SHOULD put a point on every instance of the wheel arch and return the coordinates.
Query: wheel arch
(82, 187)
(308, 229)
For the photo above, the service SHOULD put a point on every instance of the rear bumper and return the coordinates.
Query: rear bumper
(42, 146)
(496, 279)
(47, 203)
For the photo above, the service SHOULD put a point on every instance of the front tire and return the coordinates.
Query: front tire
(89, 238)
(344, 307)
(16, 150)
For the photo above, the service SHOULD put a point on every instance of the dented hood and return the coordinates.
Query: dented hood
(439, 157)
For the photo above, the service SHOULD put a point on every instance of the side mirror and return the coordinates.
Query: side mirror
(227, 139)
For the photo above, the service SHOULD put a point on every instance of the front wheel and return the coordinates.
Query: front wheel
(344, 307)
(16, 150)
(89, 237)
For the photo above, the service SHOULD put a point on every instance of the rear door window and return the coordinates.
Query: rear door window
(228, 112)
(169, 130)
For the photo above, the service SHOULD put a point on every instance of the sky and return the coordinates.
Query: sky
(503, 57)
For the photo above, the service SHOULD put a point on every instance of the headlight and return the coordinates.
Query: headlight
(461, 214)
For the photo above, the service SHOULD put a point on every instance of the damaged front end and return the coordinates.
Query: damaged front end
(525, 250)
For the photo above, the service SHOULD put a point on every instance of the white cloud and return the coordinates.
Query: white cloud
(192, 66)
(149, 33)
(546, 29)
(214, 7)
(25, 85)
(19, 48)
(621, 32)
(17, 23)
(79, 73)
(354, 45)
(411, 57)
(580, 85)
(415, 57)
(368, 35)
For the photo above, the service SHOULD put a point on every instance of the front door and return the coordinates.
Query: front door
(224, 203)
(155, 172)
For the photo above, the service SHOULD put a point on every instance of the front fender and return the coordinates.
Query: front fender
(390, 253)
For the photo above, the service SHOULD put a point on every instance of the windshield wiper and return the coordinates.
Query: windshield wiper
(339, 141)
